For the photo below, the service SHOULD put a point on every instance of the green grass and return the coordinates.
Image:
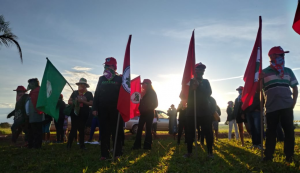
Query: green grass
(5, 131)
(164, 157)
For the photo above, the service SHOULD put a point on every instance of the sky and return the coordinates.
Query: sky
(77, 36)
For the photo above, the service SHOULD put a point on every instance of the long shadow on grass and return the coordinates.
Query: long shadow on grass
(247, 161)
(141, 160)
(199, 163)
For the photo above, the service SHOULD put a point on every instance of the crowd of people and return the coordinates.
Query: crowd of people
(279, 102)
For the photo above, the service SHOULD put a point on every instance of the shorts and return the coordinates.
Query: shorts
(154, 127)
(215, 125)
(46, 128)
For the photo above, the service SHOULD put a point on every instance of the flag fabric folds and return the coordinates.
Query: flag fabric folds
(124, 94)
(189, 70)
(135, 97)
(296, 24)
(52, 85)
(254, 68)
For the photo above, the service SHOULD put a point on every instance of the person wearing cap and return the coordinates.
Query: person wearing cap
(20, 118)
(172, 113)
(147, 107)
(105, 107)
(204, 110)
(36, 117)
(82, 100)
(239, 114)
(231, 121)
(279, 102)
(59, 124)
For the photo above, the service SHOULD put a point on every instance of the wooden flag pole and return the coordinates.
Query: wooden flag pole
(116, 137)
(195, 118)
(261, 119)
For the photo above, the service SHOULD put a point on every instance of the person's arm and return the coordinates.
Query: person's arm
(96, 98)
(295, 95)
(11, 114)
(70, 101)
(208, 90)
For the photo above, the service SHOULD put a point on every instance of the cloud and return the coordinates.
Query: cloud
(7, 105)
(225, 30)
(78, 68)
(217, 80)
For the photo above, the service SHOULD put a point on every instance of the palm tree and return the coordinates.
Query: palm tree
(7, 37)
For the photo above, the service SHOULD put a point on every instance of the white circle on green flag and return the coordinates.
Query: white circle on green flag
(135, 97)
(49, 89)
(126, 79)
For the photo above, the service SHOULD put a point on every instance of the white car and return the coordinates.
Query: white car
(162, 123)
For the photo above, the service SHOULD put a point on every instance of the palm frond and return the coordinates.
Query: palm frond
(8, 39)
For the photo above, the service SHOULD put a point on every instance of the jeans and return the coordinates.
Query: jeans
(205, 122)
(286, 118)
(233, 122)
(146, 117)
(95, 123)
(35, 135)
(59, 126)
(78, 124)
(108, 118)
(253, 119)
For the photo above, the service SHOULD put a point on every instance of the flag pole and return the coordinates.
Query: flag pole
(116, 137)
(57, 70)
(261, 120)
(195, 118)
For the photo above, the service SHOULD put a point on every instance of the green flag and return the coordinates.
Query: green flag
(52, 85)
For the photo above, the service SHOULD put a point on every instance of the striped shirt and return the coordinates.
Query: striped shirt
(277, 91)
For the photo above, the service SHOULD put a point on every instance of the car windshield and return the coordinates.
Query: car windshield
(162, 115)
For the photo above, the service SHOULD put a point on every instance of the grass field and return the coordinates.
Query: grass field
(229, 156)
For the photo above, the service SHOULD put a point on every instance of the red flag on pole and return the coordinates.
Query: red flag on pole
(124, 95)
(253, 70)
(296, 25)
(135, 97)
(188, 70)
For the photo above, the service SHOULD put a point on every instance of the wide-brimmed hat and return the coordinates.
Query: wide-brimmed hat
(146, 81)
(83, 81)
(21, 88)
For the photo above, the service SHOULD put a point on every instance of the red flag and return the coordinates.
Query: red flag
(124, 95)
(188, 70)
(135, 97)
(296, 25)
(252, 72)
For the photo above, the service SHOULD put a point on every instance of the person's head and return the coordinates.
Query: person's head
(199, 70)
(276, 54)
(33, 83)
(230, 104)
(82, 85)
(147, 84)
(110, 63)
(20, 92)
(172, 106)
(240, 90)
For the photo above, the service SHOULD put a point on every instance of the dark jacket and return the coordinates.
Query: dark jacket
(149, 102)
(61, 105)
(20, 112)
(255, 105)
(237, 109)
(107, 92)
(203, 93)
(230, 116)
